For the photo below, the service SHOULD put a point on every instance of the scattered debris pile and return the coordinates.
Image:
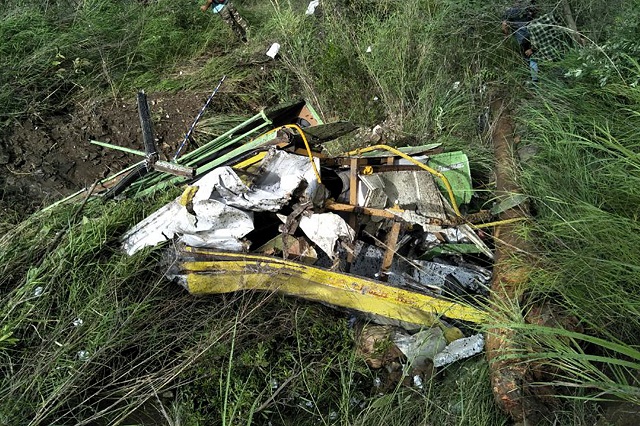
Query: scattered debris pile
(379, 230)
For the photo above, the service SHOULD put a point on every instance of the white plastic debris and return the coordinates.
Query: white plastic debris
(369, 49)
(221, 213)
(325, 229)
(273, 50)
(77, 322)
(311, 8)
(456, 85)
(417, 382)
(38, 291)
(460, 349)
(82, 355)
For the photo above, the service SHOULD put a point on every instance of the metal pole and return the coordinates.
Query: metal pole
(193, 126)
(119, 148)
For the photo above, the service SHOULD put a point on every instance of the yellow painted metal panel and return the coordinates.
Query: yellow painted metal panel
(217, 272)
(251, 160)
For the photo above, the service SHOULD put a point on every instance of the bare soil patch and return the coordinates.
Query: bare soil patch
(44, 160)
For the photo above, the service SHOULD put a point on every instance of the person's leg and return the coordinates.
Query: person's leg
(533, 67)
(225, 15)
(236, 17)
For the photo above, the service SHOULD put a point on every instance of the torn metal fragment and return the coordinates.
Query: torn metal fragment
(455, 279)
(292, 247)
(283, 173)
(459, 349)
(422, 346)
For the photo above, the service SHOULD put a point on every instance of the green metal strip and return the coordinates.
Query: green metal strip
(197, 152)
(119, 148)
(153, 183)
(247, 147)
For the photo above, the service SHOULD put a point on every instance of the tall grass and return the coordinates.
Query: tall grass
(418, 62)
(51, 51)
(584, 182)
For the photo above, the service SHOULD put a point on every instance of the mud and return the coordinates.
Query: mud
(41, 161)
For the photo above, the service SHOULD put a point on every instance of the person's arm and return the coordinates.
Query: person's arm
(206, 6)
(505, 28)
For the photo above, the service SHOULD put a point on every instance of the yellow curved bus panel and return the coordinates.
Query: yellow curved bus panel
(205, 271)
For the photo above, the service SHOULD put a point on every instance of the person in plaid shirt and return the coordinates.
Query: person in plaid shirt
(516, 21)
(540, 38)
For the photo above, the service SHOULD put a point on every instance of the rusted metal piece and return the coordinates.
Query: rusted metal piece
(509, 377)
(369, 211)
(479, 217)
(392, 240)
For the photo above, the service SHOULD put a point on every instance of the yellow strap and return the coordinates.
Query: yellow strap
(423, 166)
(306, 144)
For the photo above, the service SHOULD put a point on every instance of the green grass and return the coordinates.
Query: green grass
(584, 185)
(53, 53)
(250, 358)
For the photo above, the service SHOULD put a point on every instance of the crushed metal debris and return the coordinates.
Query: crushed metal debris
(380, 230)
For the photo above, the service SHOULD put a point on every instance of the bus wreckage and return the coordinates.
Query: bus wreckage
(378, 230)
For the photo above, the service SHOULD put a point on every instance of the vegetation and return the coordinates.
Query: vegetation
(91, 336)
(584, 185)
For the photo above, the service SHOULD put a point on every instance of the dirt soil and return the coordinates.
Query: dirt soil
(43, 161)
